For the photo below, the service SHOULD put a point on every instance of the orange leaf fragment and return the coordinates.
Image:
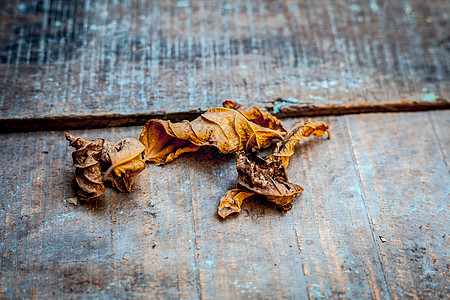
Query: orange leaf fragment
(285, 148)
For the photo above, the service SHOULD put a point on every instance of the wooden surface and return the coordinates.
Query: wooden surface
(372, 222)
(65, 63)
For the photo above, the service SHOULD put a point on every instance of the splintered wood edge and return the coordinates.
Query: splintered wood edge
(288, 111)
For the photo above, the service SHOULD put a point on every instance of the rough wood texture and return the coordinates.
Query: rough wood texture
(371, 224)
(90, 58)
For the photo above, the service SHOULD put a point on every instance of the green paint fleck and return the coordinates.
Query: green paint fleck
(429, 97)
(285, 101)
(187, 182)
(182, 3)
(374, 6)
(355, 7)
(315, 97)
(209, 262)
(318, 294)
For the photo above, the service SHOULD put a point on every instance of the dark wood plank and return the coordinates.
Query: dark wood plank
(372, 222)
(137, 58)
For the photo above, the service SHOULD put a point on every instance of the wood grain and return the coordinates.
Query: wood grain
(405, 183)
(371, 223)
(128, 58)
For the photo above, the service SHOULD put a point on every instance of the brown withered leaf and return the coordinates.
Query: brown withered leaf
(90, 158)
(267, 176)
(226, 129)
(256, 176)
(256, 115)
(86, 159)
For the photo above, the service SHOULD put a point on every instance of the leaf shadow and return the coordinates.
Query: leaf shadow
(209, 154)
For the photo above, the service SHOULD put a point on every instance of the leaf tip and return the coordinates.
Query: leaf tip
(231, 104)
(70, 137)
(226, 210)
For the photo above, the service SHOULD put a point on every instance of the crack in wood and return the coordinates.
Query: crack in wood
(288, 111)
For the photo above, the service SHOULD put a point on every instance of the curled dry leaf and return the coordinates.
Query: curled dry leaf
(226, 129)
(256, 176)
(86, 160)
(124, 160)
(267, 176)
(285, 148)
(232, 201)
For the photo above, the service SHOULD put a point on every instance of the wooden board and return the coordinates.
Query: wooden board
(372, 222)
(69, 62)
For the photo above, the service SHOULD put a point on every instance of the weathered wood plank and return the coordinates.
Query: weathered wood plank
(121, 245)
(441, 124)
(405, 187)
(335, 240)
(381, 175)
(80, 58)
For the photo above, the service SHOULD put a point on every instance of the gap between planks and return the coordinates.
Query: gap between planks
(119, 120)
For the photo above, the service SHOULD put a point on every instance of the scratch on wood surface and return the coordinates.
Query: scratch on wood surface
(196, 246)
(440, 124)
(364, 201)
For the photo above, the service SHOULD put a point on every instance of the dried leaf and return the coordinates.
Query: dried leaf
(257, 176)
(126, 162)
(267, 176)
(256, 115)
(86, 159)
(92, 157)
(226, 129)
(232, 201)
(125, 150)
(285, 148)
